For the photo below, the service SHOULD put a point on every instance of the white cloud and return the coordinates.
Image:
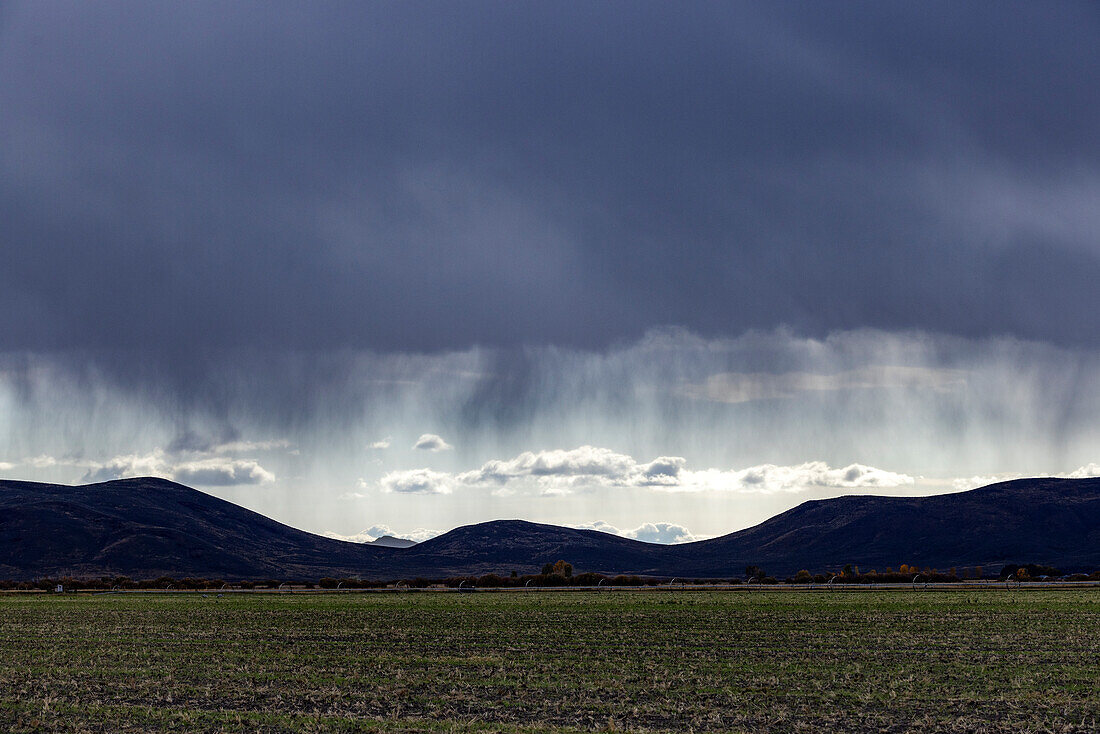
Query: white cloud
(661, 532)
(210, 472)
(649, 532)
(360, 492)
(417, 481)
(41, 462)
(603, 527)
(431, 442)
(965, 483)
(383, 444)
(375, 532)
(417, 535)
(741, 387)
(558, 472)
(770, 478)
(583, 461)
(1085, 472)
(4, 466)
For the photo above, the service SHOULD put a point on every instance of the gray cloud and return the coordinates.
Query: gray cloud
(1023, 408)
(191, 178)
(871, 229)
(918, 403)
(221, 473)
(733, 387)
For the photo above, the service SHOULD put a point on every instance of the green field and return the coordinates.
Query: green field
(983, 661)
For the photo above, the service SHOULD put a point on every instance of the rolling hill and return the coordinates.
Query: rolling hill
(145, 527)
(1049, 521)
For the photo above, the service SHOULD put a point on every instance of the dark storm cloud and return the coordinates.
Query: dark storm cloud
(419, 176)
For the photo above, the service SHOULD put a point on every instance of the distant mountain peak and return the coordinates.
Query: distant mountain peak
(389, 541)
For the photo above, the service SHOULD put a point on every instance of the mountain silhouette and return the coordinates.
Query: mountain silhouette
(147, 527)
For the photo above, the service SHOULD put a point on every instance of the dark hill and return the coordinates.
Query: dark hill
(1049, 521)
(507, 545)
(145, 528)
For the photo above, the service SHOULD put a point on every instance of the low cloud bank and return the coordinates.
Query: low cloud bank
(565, 471)
(649, 532)
(561, 471)
(1085, 472)
(963, 483)
(374, 532)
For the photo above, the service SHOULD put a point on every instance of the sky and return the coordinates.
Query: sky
(663, 269)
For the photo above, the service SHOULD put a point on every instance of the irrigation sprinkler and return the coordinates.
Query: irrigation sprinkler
(281, 586)
(597, 585)
(526, 587)
(339, 585)
(671, 583)
(915, 582)
(829, 583)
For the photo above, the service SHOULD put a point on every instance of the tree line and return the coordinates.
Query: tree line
(557, 574)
